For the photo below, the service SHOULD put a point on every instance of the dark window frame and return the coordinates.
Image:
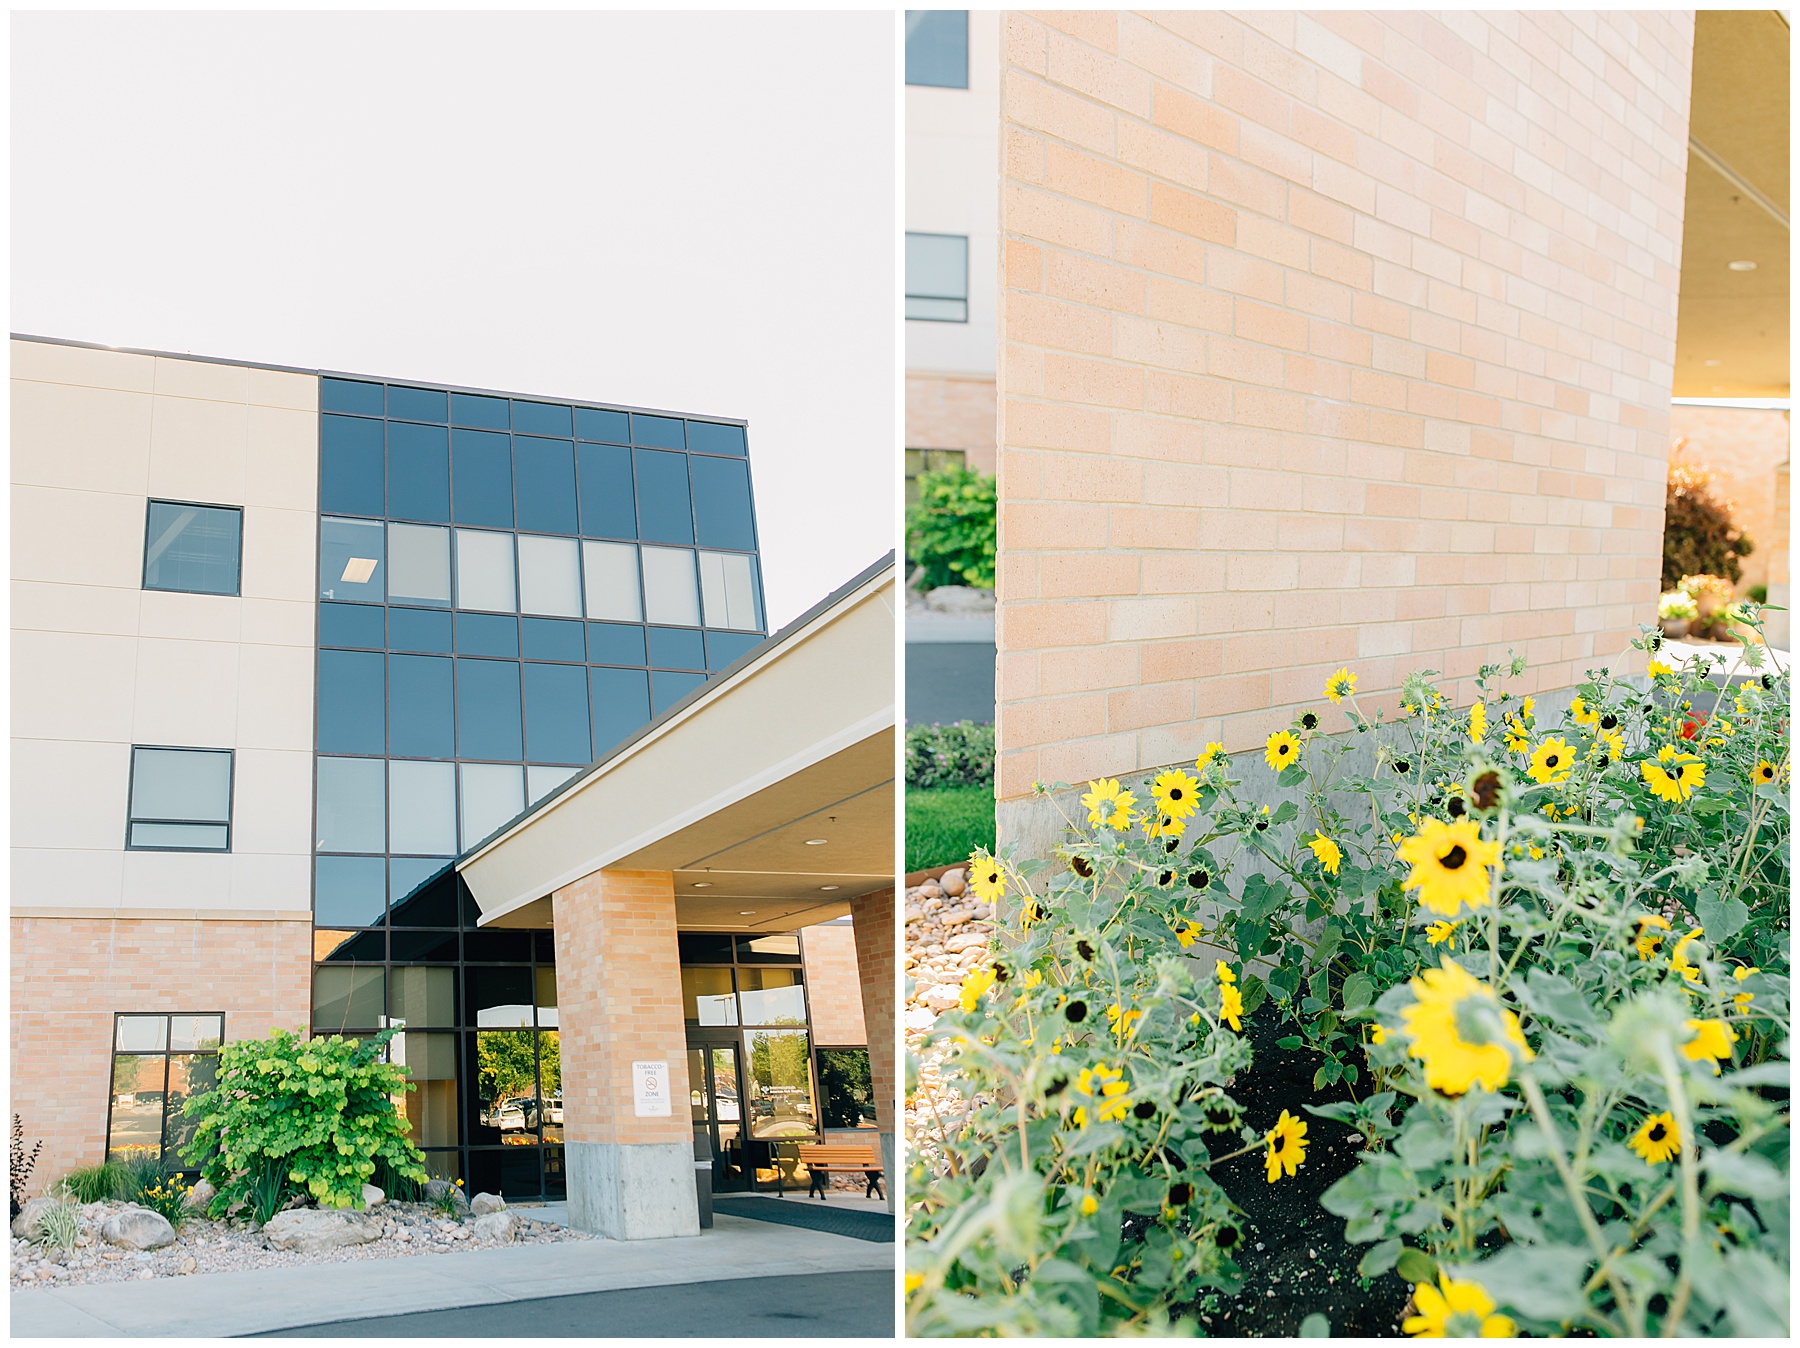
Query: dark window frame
(131, 816)
(114, 1053)
(237, 590)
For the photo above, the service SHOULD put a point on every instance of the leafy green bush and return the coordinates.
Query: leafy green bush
(959, 754)
(1758, 594)
(1699, 535)
(315, 1113)
(97, 1183)
(950, 532)
(946, 825)
(1551, 963)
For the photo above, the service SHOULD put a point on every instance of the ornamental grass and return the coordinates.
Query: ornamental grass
(1546, 957)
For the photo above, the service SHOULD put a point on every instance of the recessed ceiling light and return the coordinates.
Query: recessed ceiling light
(746, 912)
(815, 842)
(358, 570)
(703, 884)
(827, 888)
(1709, 364)
(1741, 266)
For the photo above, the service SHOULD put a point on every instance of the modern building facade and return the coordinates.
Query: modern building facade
(286, 645)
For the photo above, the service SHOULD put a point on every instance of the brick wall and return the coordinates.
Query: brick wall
(1325, 340)
(1742, 446)
(618, 989)
(70, 975)
(872, 917)
(833, 989)
(952, 411)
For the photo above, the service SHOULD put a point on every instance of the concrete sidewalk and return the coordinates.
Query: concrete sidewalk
(223, 1305)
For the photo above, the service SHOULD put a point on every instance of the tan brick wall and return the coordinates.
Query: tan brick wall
(70, 975)
(618, 989)
(952, 411)
(872, 918)
(1336, 339)
(833, 987)
(1742, 446)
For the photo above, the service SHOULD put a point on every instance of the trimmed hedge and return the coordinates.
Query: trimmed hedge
(960, 754)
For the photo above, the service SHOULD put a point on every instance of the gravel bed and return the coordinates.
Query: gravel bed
(948, 933)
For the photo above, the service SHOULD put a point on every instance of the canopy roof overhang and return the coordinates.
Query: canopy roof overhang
(768, 792)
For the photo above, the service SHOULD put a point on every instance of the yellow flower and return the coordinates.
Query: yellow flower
(1378, 1034)
(1477, 722)
(1462, 1310)
(1517, 739)
(1409, 709)
(1712, 1041)
(1123, 1020)
(1231, 1006)
(914, 1281)
(1287, 1146)
(1452, 1003)
(1106, 1088)
(1281, 750)
(1552, 761)
(1210, 752)
(1089, 1205)
(1764, 773)
(1677, 782)
(1340, 685)
(1678, 960)
(1651, 930)
(1657, 1139)
(1186, 932)
(986, 877)
(1222, 971)
(1742, 1000)
(1163, 826)
(975, 987)
(1528, 705)
(1658, 669)
(1176, 792)
(1449, 865)
(1108, 804)
(1439, 932)
(1328, 852)
(1583, 714)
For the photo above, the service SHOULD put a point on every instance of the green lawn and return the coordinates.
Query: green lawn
(944, 825)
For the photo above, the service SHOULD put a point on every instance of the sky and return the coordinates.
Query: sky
(683, 211)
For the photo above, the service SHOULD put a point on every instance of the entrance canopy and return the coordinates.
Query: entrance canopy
(768, 792)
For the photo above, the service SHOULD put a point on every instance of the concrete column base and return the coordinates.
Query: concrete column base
(887, 1168)
(632, 1191)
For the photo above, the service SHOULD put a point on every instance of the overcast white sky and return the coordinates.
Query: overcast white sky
(683, 211)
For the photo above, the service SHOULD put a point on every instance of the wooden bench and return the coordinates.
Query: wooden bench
(820, 1159)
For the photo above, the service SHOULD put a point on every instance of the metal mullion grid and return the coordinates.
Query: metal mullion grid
(131, 818)
(167, 1053)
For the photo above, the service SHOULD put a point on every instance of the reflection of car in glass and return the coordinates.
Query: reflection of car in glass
(553, 1109)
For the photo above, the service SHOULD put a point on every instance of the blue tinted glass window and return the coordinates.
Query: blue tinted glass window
(937, 47)
(350, 625)
(724, 647)
(405, 875)
(669, 687)
(664, 515)
(418, 473)
(344, 395)
(487, 634)
(661, 432)
(352, 891)
(482, 468)
(421, 715)
(615, 644)
(608, 508)
(487, 710)
(545, 470)
(414, 629)
(556, 714)
(593, 424)
(192, 548)
(350, 467)
(722, 517)
(549, 639)
(709, 437)
(471, 409)
(350, 703)
(542, 419)
(418, 404)
(620, 699)
(677, 648)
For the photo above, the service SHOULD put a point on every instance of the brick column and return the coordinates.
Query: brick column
(872, 915)
(618, 984)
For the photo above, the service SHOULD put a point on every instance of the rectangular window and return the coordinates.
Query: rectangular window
(351, 465)
(418, 564)
(180, 800)
(556, 714)
(484, 571)
(492, 793)
(351, 625)
(351, 805)
(937, 48)
(620, 699)
(677, 648)
(481, 475)
(195, 549)
(544, 474)
(722, 516)
(350, 891)
(709, 437)
(937, 277)
(728, 590)
(347, 999)
(418, 467)
(487, 634)
(670, 596)
(422, 809)
(549, 576)
(352, 715)
(158, 1063)
(665, 514)
(542, 781)
(421, 709)
(352, 557)
(615, 644)
(550, 639)
(487, 710)
(612, 582)
(608, 502)
(413, 629)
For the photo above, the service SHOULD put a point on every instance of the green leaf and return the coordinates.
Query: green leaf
(1315, 1326)
(1290, 1042)
(1722, 918)
(1415, 1265)
(1358, 992)
(1380, 1258)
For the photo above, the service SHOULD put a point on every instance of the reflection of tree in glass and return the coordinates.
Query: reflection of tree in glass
(779, 1066)
(846, 1086)
(504, 1064)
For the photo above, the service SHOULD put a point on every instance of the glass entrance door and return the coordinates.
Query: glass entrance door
(716, 1097)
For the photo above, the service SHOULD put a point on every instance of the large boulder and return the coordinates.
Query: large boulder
(310, 1230)
(437, 1188)
(24, 1225)
(482, 1204)
(501, 1225)
(138, 1229)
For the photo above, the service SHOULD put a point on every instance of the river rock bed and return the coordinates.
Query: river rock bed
(948, 933)
(205, 1246)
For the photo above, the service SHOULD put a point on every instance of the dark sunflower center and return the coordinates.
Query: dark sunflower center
(1552, 761)
(1226, 1238)
(1174, 793)
(1454, 858)
(1284, 749)
(1402, 766)
(1179, 1194)
(1281, 1144)
(1608, 721)
(1658, 1133)
(1144, 1109)
(1075, 1012)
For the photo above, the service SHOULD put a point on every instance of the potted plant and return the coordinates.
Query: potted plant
(1674, 611)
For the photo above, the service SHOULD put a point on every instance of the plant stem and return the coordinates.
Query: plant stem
(1690, 1179)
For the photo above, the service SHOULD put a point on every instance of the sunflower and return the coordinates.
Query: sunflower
(1177, 794)
(1449, 865)
(1712, 1042)
(1528, 705)
(1439, 932)
(1281, 750)
(1123, 1019)
(1678, 960)
(1106, 1088)
(1742, 1000)
(1089, 1205)
(1658, 669)
(1222, 971)
(975, 987)
(1212, 750)
(1477, 722)
(1764, 773)
(1461, 1310)
(1328, 852)
(1108, 804)
(1518, 740)
(1583, 714)
(986, 878)
(1378, 1034)
(1673, 776)
(1164, 826)
(1652, 930)
(1657, 1139)
(1451, 1003)
(1607, 745)
(1287, 1146)
(1231, 1006)
(1552, 761)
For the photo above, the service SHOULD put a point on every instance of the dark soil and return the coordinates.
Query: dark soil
(1292, 1251)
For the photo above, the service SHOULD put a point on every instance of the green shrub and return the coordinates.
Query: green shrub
(98, 1183)
(944, 826)
(315, 1113)
(960, 754)
(950, 532)
(59, 1225)
(1759, 593)
(1699, 536)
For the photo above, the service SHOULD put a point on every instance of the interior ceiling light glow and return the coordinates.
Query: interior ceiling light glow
(1741, 266)
(746, 912)
(826, 889)
(358, 570)
(1709, 364)
(703, 884)
(815, 842)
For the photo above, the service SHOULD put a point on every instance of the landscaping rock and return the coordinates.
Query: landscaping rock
(310, 1230)
(484, 1204)
(372, 1197)
(200, 1195)
(941, 996)
(959, 599)
(138, 1229)
(501, 1225)
(25, 1224)
(437, 1188)
(953, 882)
